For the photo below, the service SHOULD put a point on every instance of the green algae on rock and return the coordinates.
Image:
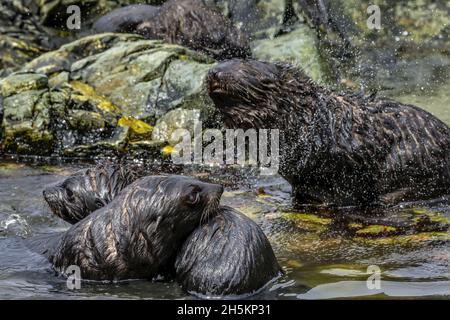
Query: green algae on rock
(22, 35)
(407, 52)
(403, 222)
(259, 18)
(99, 94)
(298, 47)
(308, 221)
(376, 231)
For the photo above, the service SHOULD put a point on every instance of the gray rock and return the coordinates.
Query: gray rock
(100, 95)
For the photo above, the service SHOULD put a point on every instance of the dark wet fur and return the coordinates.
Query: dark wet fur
(88, 190)
(228, 255)
(137, 235)
(190, 23)
(336, 149)
(125, 19)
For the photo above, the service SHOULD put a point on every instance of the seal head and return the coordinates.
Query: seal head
(88, 190)
(247, 92)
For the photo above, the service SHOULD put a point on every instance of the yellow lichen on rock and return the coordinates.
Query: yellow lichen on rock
(376, 231)
(167, 150)
(137, 126)
(414, 239)
(87, 93)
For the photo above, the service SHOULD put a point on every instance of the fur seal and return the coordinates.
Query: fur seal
(125, 19)
(88, 190)
(227, 256)
(336, 149)
(137, 235)
(189, 23)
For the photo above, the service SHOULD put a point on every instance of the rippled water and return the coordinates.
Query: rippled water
(318, 263)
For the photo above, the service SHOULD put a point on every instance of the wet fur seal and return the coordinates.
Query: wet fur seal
(125, 19)
(189, 23)
(212, 261)
(137, 235)
(227, 256)
(336, 149)
(88, 190)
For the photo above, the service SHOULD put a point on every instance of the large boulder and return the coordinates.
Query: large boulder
(29, 28)
(100, 95)
(259, 18)
(299, 47)
(22, 36)
(409, 52)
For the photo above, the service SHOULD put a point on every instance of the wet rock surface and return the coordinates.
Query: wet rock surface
(22, 35)
(407, 51)
(68, 101)
(114, 95)
(98, 94)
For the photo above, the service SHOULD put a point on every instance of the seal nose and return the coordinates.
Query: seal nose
(46, 193)
(48, 196)
(49, 193)
(214, 190)
(218, 190)
(213, 76)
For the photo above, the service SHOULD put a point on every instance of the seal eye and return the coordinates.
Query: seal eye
(70, 195)
(193, 198)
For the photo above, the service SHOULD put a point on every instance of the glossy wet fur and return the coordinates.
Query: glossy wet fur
(227, 256)
(190, 23)
(336, 149)
(139, 232)
(88, 190)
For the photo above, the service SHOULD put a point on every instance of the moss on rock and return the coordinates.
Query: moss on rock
(100, 93)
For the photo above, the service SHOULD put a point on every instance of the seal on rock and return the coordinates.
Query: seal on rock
(227, 256)
(189, 23)
(125, 19)
(336, 149)
(138, 234)
(88, 190)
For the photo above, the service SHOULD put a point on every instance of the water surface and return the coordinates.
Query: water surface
(319, 263)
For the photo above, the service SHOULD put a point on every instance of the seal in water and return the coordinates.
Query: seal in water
(336, 149)
(190, 23)
(88, 190)
(137, 235)
(228, 255)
